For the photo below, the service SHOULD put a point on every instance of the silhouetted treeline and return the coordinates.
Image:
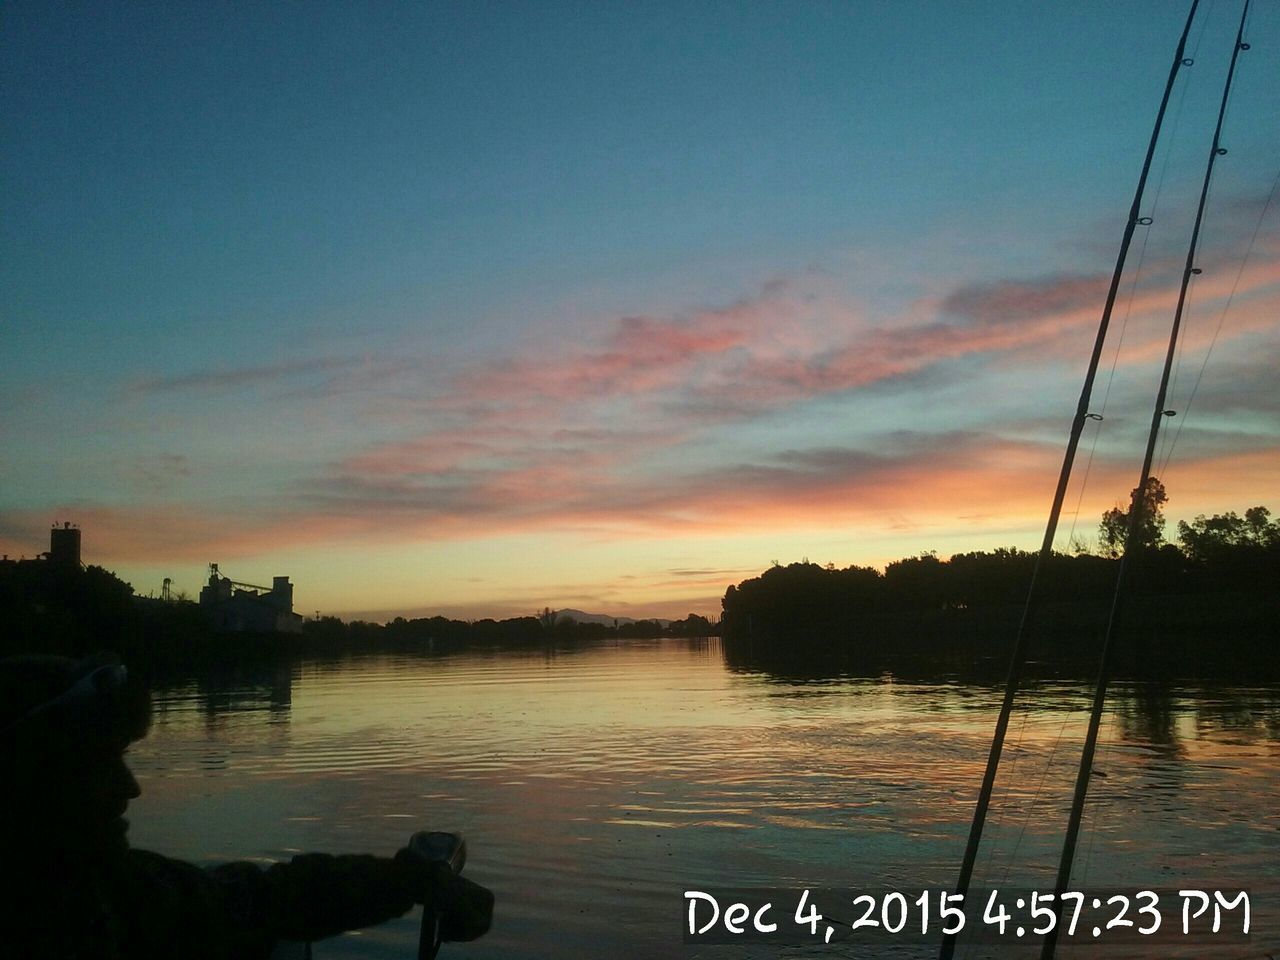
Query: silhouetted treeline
(329, 634)
(74, 611)
(50, 608)
(1219, 588)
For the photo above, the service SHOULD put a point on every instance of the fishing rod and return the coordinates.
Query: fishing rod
(1019, 655)
(1135, 512)
(450, 851)
(442, 852)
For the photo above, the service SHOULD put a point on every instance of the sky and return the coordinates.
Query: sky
(474, 308)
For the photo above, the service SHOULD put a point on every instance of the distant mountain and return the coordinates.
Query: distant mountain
(608, 621)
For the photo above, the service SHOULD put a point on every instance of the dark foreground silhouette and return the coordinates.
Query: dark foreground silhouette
(80, 891)
(72, 611)
(1209, 606)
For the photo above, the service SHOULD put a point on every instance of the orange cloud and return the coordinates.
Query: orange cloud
(606, 437)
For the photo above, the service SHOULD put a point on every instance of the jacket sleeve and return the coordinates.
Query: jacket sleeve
(241, 910)
(317, 895)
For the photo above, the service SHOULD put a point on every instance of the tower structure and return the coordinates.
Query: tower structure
(64, 545)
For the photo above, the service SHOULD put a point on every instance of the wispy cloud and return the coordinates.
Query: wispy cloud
(925, 474)
(156, 475)
(173, 532)
(626, 432)
(1009, 301)
(604, 435)
(231, 378)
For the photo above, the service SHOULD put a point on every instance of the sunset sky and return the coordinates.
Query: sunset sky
(474, 308)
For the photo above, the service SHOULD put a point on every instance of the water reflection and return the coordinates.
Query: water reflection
(1149, 714)
(595, 783)
(1157, 712)
(230, 688)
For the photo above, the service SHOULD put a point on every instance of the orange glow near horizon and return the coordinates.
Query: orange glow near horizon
(984, 499)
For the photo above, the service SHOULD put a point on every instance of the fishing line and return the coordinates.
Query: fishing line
(1111, 376)
(1038, 800)
(1095, 813)
(1018, 655)
(1177, 120)
(1161, 178)
(1165, 449)
(1131, 535)
(1170, 442)
(1035, 799)
(1257, 228)
(1155, 209)
(1131, 296)
(1166, 444)
(998, 819)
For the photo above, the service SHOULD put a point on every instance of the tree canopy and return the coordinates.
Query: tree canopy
(1209, 538)
(1225, 564)
(1148, 532)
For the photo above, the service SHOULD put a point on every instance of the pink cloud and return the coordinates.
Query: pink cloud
(651, 383)
(1003, 302)
(169, 533)
(573, 439)
(602, 437)
(922, 485)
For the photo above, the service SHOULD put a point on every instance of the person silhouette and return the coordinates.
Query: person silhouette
(80, 891)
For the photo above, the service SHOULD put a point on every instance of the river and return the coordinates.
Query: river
(595, 785)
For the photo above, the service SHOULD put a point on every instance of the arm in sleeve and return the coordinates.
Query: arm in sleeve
(317, 895)
(240, 910)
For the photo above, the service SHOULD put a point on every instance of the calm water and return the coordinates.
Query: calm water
(595, 786)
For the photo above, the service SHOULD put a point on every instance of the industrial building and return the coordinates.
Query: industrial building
(64, 549)
(229, 605)
(235, 606)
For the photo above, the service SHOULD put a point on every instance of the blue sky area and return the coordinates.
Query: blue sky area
(392, 297)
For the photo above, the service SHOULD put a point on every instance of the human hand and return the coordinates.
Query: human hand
(465, 907)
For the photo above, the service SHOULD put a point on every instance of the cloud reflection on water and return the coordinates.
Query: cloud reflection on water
(593, 786)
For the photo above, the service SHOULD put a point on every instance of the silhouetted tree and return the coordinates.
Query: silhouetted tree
(692, 626)
(1211, 538)
(1001, 576)
(1149, 531)
(920, 582)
